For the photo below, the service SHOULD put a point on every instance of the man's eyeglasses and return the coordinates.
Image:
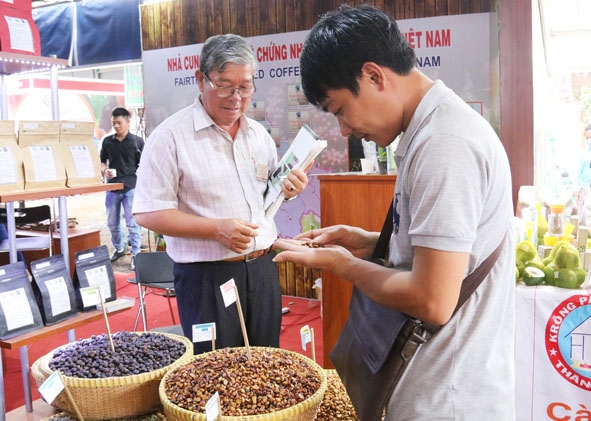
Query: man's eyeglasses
(228, 91)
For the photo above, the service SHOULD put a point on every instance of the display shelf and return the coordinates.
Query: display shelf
(81, 319)
(57, 192)
(12, 63)
(9, 200)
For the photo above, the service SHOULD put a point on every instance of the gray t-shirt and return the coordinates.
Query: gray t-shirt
(453, 193)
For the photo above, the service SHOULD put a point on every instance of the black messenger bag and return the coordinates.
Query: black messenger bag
(377, 343)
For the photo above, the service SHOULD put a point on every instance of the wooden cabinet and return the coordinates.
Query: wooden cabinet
(355, 199)
(79, 239)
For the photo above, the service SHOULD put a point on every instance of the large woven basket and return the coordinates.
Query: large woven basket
(153, 416)
(303, 411)
(110, 397)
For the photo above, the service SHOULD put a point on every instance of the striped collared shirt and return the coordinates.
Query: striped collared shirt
(191, 164)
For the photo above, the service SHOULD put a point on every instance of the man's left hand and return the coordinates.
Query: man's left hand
(294, 184)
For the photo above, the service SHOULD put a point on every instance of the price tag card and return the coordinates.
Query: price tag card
(51, 387)
(212, 408)
(204, 332)
(91, 296)
(305, 336)
(228, 293)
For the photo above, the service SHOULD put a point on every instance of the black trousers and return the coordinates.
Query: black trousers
(199, 299)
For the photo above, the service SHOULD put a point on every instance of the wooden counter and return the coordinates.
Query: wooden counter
(354, 199)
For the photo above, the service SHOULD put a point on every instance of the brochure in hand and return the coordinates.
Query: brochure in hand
(303, 150)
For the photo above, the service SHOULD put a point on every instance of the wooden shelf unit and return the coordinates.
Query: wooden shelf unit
(354, 199)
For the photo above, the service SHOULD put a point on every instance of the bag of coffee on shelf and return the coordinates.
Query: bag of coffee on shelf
(43, 156)
(12, 179)
(93, 268)
(19, 312)
(53, 289)
(83, 164)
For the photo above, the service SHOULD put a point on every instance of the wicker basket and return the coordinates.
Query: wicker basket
(303, 411)
(154, 416)
(111, 397)
(336, 404)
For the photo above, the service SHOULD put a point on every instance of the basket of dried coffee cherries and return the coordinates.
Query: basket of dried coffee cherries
(109, 385)
(336, 404)
(256, 384)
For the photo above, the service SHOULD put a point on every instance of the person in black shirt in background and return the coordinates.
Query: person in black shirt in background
(120, 158)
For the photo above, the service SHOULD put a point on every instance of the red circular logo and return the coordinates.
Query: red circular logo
(568, 340)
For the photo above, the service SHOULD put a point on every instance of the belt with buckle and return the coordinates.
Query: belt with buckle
(248, 257)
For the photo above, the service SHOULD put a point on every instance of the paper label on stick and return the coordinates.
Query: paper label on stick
(51, 387)
(204, 332)
(305, 336)
(212, 408)
(91, 296)
(228, 293)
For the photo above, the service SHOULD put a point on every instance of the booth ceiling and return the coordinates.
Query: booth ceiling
(90, 32)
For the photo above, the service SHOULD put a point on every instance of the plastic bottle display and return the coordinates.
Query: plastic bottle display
(555, 225)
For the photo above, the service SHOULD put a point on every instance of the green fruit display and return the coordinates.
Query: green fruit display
(533, 276)
(525, 251)
(546, 260)
(564, 267)
(526, 256)
(536, 263)
(520, 266)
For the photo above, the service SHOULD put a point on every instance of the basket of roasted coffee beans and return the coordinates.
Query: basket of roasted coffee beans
(336, 404)
(268, 384)
(109, 385)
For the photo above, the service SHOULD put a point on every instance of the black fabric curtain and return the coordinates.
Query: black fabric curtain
(56, 27)
(91, 31)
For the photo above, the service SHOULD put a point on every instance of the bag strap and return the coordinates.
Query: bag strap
(470, 282)
(384, 240)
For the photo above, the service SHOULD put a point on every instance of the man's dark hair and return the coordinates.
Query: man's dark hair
(120, 112)
(342, 41)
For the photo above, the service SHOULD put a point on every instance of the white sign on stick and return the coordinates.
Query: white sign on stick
(305, 335)
(228, 293)
(212, 408)
(91, 296)
(204, 332)
(51, 387)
